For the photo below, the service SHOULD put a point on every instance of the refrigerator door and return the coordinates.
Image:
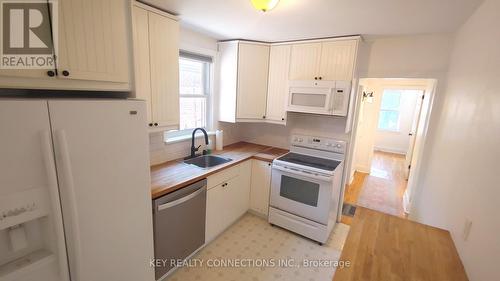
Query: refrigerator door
(32, 246)
(102, 158)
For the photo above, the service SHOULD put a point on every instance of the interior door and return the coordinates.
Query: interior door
(28, 178)
(93, 40)
(412, 134)
(102, 157)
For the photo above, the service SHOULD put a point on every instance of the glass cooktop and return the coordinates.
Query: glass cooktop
(310, 161)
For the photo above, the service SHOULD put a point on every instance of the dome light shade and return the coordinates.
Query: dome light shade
(264, 5)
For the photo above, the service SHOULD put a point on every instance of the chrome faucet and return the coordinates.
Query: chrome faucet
(193, 148)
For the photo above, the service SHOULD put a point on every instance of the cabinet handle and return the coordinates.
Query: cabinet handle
(315, 78)
(150, 124)
(65, 73)
(268, 164)
(156, 124)
(320, 78)
(264, 117)
(282, 119)
(51, 73)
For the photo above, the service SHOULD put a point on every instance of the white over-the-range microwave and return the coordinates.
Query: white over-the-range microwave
(319, 97)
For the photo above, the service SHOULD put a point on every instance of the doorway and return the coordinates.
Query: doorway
(388, 133)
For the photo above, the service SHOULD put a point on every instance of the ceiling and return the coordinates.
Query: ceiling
(302, 19)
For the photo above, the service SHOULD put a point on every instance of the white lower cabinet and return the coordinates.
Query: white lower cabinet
(228, 198)
(260, 187)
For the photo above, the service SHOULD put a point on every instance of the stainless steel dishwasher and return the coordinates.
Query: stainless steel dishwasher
(179, 224)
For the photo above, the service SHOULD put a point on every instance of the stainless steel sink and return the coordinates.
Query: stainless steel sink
(207, 161)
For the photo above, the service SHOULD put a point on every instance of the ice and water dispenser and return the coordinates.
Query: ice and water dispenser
(31, 236)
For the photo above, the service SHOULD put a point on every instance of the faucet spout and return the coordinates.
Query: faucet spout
(193, 148)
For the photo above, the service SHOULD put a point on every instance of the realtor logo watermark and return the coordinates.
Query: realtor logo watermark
(28, 34)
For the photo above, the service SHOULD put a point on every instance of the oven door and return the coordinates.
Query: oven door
(302, 194)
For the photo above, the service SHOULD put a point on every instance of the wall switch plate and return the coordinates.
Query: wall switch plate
(467, 228)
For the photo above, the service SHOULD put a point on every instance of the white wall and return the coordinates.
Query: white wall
(398, 142)
(416, 56)
(462, 175)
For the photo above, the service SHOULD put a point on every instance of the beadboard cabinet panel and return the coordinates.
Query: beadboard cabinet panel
(164, 62)
(304, 61)
(253, 67)
(277, 90)
(93, 40)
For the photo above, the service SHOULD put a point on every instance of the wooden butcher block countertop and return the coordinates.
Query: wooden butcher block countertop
(382, 247)
(170, 176)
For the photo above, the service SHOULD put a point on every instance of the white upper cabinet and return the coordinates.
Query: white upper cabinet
(93, 40)
(337, 60)
(304, 61)
(253, 67)
(141, 57)
(327, 60)
(277, 89)
(243, 81)
(164, 61)
(156, 61)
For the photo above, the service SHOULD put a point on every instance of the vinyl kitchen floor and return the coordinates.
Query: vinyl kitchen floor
(254, 239)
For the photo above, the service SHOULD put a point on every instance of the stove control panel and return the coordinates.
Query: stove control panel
(321, 143)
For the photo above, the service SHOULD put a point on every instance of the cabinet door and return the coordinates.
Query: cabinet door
(304, 61)
(253, 67)
(337, 60)
(242, 189)
(164, 61)
(93, 41)
(261, 186)
(277, 90)
(216, 212)
(142, 72)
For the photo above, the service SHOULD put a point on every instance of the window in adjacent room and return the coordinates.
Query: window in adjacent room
(390, 110)
(194, 92)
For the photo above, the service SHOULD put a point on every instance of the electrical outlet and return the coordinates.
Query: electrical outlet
(467, 228)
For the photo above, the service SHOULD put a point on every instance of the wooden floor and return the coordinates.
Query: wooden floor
(382, 247)
(382, 189)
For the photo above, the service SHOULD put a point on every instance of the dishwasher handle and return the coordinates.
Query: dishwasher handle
(180, 200)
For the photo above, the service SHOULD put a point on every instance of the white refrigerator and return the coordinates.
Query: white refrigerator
(75, 199)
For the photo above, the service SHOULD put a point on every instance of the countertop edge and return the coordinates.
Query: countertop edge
(257, 155)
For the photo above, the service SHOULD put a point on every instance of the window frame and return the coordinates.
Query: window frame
(398, 111)
(174, 135)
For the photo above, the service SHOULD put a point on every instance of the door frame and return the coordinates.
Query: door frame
(429, 87)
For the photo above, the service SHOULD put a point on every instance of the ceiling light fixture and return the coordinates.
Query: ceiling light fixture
(264, 5)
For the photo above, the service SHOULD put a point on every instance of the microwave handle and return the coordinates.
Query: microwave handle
(301, 173)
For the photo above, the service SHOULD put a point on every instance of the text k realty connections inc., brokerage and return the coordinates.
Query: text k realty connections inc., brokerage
(29, 34)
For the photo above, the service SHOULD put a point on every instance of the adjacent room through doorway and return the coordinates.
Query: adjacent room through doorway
(389, 115)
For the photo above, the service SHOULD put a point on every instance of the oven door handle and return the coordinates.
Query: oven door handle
(302, 173)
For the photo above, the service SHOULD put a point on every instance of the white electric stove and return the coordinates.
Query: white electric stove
(306, 186)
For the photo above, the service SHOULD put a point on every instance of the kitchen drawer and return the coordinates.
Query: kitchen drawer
(223, 176)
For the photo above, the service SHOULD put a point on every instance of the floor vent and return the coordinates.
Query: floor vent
(348, 210)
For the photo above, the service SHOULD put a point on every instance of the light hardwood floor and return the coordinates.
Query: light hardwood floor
(381, 190)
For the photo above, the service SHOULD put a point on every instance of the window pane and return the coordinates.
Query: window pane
(193, 113)
(191, 77)
(391, 99)
(388, 120)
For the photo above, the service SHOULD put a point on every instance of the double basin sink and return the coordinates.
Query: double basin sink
(207, 161)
